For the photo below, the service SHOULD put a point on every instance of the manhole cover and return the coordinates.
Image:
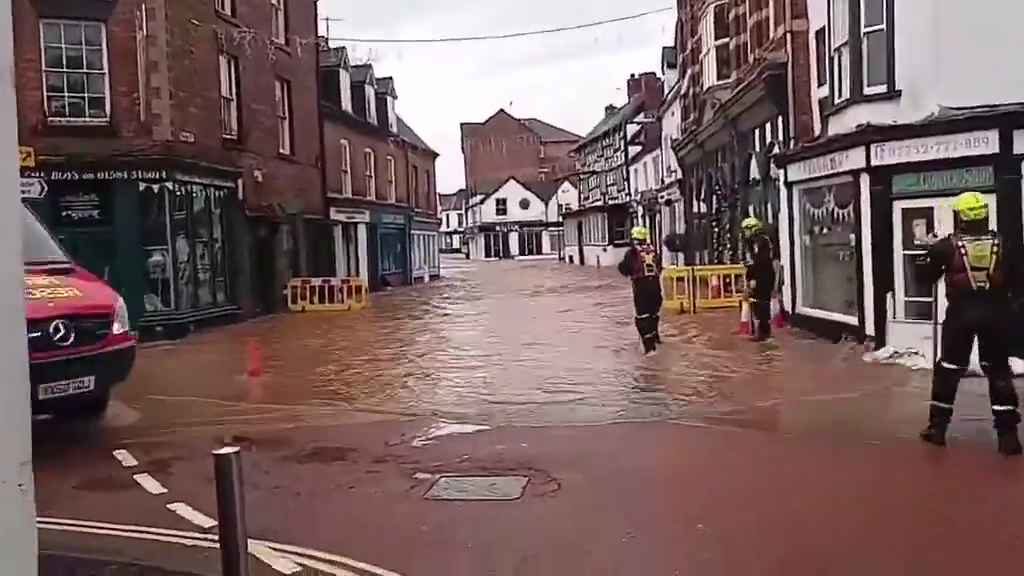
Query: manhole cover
(478, 488)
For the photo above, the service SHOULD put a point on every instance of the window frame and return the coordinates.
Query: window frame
(228, 65)
(501, 207)
(865, 30)
(279, 21)
(346, 167)
(370, 172)
(840, 53)
(392, 183)
(709, 49)
(44, 70)
(285, 127)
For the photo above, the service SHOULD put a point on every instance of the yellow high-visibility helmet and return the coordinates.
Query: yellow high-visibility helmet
(640, 233)
(751, 226)
(971, 206)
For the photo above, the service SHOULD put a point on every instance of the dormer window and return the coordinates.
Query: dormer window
(392, 116)
(371, 104)
(345, 87)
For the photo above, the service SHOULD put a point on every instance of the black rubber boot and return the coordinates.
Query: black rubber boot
(934, 434)
(1009, 443)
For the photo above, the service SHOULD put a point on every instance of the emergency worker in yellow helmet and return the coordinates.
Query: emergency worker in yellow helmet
(761, 279)
(642, 265)
(978, 275)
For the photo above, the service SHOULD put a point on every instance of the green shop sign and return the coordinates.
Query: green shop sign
(943, 180)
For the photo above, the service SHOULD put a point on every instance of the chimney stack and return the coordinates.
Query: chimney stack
(610, 109)
(649, 86)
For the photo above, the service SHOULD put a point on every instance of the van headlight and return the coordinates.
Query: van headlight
(121, 322)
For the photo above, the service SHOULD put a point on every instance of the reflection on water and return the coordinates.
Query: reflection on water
(507, 342)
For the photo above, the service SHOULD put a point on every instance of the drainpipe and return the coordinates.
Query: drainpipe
(790, 84)
(17, 501)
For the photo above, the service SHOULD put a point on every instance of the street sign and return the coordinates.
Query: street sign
(26, 157)
(33, 188)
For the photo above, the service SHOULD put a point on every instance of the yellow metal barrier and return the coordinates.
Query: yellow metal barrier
(694, 288)
(326, 294)
(676, 284)
(719, 286)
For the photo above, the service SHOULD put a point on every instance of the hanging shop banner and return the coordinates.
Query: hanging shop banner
(977, 177)
(827, 165)
(977, 143)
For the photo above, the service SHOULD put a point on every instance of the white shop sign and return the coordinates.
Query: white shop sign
(834, 163)
(977, 143)
(342, 215)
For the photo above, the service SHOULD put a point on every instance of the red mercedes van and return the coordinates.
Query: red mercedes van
(80, 342)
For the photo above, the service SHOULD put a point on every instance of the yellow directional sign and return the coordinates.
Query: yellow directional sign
(26, 157)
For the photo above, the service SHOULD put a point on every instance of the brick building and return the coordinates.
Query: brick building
(380, 178)
(179, 141)
(503, 147)
(744, 94)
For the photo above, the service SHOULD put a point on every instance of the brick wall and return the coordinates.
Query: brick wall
(182, 96)
(193, 49)
(125, 133)
(425, 197)
(499, 149)
(360, 138)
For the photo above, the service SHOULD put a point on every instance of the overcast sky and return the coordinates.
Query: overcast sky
(566, 78)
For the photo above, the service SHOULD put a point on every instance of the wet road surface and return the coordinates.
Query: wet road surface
(717, 456)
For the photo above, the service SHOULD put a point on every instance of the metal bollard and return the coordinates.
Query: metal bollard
(234, 539)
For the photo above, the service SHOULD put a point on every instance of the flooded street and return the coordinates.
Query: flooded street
(369, 429)
(539, 343)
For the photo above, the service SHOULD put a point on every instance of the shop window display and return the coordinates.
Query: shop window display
(184, 238)
(828, 228)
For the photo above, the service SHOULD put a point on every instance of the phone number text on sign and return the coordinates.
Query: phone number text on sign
(936, 148)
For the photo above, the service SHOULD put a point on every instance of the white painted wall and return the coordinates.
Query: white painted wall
(513, 192)
(950, 53)
(866, 255)
(671, 128)
(18, 540)
(450, 221)
(567, 194)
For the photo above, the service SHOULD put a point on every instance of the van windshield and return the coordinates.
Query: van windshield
(37, 245)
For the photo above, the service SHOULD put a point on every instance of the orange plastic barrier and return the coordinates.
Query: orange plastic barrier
(327, 294)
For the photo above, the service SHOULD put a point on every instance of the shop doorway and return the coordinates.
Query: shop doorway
(495, 245)
(915, 319)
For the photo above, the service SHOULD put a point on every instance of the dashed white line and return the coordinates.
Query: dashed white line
(149, 484)
(192, 515)
(125, 458)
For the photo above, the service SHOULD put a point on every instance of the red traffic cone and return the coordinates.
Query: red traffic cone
(254, 359)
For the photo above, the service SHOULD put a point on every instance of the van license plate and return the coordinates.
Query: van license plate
(67, 387)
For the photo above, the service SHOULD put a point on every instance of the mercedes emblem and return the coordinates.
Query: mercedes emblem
(62, 333)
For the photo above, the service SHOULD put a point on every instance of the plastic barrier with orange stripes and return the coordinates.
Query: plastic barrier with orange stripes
(327, 294)
(695, 288)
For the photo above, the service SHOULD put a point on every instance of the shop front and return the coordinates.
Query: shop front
(351, 242)
(161, 234)
(861, 219)
(390, 259)
(426, 255)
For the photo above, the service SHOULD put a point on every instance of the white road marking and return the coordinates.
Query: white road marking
(321, 566)
(150, 484)
(443, 428)
(192, 515)
(297, 554)
(125, 458)
(133, 535)
(282, 564)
